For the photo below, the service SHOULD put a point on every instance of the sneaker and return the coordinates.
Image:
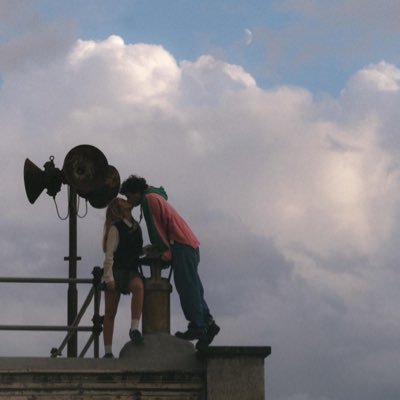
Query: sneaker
(136, 336)
(108, 355)
(192, 334)
(212, 331)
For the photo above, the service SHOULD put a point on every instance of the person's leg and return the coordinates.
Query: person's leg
(136, 288)
(191, 292)
(206, 311)
(111, 301)
(188, 285)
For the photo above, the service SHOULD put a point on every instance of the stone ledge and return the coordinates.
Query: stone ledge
(101, 385)
(236, 351)
(161, 352)
(79, 365)
(217, 373)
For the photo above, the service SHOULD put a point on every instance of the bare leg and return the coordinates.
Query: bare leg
(136, 287)
(110, 311)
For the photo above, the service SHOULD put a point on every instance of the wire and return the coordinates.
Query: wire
(77, 208)
(58, 213)
(86, 211)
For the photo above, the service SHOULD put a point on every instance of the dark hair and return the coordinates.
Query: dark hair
(134, 184)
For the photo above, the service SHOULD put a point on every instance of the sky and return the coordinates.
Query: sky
(273, 127)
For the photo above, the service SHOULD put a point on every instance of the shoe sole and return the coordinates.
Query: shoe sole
(188, 338)
(137, 341)
(202, 344)
(214, 330)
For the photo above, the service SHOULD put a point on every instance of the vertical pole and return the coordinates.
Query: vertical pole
(97, 319)
(72, 261)
(96, 315)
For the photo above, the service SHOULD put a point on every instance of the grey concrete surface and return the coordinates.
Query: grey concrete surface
(160, 352)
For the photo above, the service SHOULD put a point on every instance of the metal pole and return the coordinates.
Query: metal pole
(72, 261)
(97, 319)
(44, 280)
(45, 328)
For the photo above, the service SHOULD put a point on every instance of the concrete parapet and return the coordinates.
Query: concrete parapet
(163, 368)
(235, 373)
(95, 379)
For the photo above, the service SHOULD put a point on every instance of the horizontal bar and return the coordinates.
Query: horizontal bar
(45, 328)
(44, 280)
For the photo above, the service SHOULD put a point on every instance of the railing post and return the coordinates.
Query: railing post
(72, 262)
(97, 319)
(73, 327)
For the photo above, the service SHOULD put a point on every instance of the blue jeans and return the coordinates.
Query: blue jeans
(185, 261)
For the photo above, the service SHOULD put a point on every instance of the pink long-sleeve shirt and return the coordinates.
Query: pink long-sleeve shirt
(169, 224)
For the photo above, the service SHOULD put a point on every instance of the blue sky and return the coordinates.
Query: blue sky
(191, 28)
(317, 45)
(273, 127)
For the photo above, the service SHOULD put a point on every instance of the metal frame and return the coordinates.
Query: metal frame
(73, 326)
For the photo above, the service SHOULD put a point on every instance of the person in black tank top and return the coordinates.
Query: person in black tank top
(122, 246)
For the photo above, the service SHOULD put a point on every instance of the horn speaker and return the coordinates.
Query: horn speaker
(85, 169)
(101, 197)
(34, 179)
(37, 180)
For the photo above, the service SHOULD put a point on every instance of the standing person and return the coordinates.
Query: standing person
(122, 246)
(177, 244)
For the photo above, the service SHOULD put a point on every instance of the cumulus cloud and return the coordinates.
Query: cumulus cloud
(293, 198)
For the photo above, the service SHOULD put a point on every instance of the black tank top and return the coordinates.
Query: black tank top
(129, 247)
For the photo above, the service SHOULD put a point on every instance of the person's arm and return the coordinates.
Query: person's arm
(111, 246)
(155, 210)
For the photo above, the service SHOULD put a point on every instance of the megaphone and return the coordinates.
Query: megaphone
(85, 169)
(37, 180)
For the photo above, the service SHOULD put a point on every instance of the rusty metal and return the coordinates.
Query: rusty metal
(71, 328)
(156, 307)
(85, 168)
(72, 267)
(102, 196)
(87, 173)
(45, 328)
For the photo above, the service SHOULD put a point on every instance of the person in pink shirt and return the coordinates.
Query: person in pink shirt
(177, 244)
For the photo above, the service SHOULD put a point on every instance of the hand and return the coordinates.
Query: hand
(166, 261)
(151, 251)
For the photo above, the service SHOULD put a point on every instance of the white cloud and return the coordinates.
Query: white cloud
(381, 77)
(293, 198)
(133, 73)
(292, 173)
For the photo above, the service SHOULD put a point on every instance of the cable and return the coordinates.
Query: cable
(58, 213)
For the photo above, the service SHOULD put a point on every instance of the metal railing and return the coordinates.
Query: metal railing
(97, 320)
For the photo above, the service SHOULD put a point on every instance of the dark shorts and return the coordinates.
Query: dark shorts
(122, 277)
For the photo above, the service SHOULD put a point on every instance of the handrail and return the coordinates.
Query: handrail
(44, 280)
(97, 320)
(45, 328)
